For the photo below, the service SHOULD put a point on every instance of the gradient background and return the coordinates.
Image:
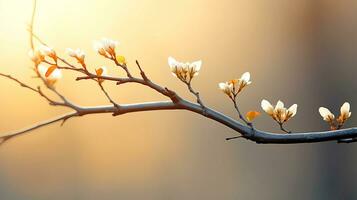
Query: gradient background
(299, 51)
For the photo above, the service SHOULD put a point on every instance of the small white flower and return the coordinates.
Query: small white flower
(99, 48)
(330, 118)
(108, 44)
(237, 85)
(326, 114)
(345, 113)
(48, 51)
(105, 47)
(345, 110)
(184, 71)
(226, 87)
(245, 78)
(243, 81)
(279, 113)
(78, 54)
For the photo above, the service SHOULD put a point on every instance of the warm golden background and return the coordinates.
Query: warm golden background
(299, 51)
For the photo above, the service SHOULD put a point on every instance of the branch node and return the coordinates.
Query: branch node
(173, 96)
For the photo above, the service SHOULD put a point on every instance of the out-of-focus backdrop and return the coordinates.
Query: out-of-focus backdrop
(298, 51)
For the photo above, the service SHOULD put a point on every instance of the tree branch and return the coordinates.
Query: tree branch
(177, 103)
(257, 136)
(4, 138)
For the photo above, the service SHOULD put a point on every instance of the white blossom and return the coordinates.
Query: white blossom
(226, 87)
(326, 114)
(48, 51)
(184, 71)
(279, 113)
(105, 47)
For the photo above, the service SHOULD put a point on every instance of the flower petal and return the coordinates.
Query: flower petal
(172, 61)
(326, 114)
(345, 109)
(293, 110)
(197, 65)
(267, 107)
(245, 77)
(279, 105)
(222, 86)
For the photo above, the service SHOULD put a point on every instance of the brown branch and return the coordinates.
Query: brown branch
(253, 135)
(142, 73)
(6, 137)
(123, 66)
(36, 90)
(19, 82)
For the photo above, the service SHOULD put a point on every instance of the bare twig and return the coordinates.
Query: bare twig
(37, 90)
(123, 66)
(234, 100)
(197, 95)
(282, 128)
(142, 73)
(108, 96)
(236, 137)
(11, 135)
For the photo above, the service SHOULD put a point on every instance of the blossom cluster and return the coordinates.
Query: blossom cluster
(184, 71)
(330, 118)
(233, 87)
(50, 72)
(279, 113)
(106, 47)
(78, 54)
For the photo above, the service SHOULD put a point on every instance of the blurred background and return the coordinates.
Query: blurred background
(298, 51)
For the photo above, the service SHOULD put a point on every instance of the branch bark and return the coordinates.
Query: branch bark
(247, 132)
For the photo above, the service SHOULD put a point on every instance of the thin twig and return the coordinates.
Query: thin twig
(123, 66)
(236, 137)
(282, 128)
(37, 90)
(8, 136)
(234, 100)
(197, 95)
(142, 73)
(108, 96)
